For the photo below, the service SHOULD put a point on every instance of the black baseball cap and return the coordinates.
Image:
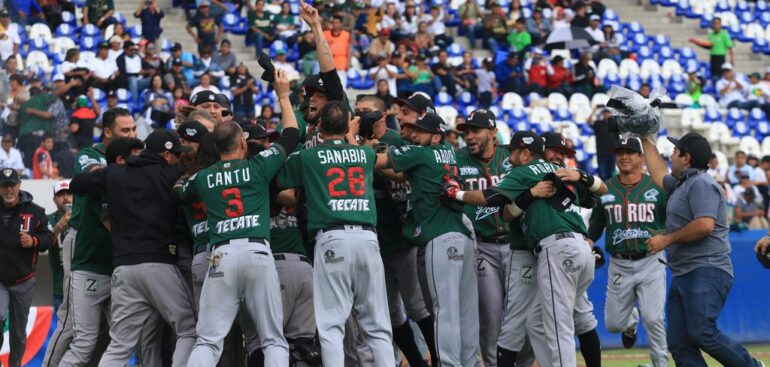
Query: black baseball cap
(9, 176)
(257, 131)
(4, 13)
(526, 140)
(417, 102)
(202, 97)
(764, 259)
(177, 62)
(112, 93)
(554, 140)
(176, 47)
(429, 122)
(698, 147)
(481, 118)
(104, 45)
(162, 140)
(632, 144)
(313, 83)
(223, 101)
(192, 130)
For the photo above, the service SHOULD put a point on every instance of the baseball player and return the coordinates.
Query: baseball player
(632, 211)
(450, 254)
(556, 151)
(62, 198)
(399, 257)
(24, 231)
(242, 268)
(348, 272)
(482, 165)
(91, 267)
(565, 263)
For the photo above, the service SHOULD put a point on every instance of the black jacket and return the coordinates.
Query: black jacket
(141, 211)
(17, 263)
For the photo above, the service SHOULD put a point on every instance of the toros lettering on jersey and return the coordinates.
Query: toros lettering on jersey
(636, 213)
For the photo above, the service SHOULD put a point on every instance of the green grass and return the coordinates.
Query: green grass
(636, 357)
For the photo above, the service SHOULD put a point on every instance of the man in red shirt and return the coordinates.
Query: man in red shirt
(559, 77)
(538, 74)
(42, 164)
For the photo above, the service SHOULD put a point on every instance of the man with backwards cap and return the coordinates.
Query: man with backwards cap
(482, 164)
(698, 248)
(217, 104)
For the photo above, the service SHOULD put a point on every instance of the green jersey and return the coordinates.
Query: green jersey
(236, 195)
(391, 199)
(195, 216)
(540, 220)
(93, 245)
(426, 168)
(284, 231)
(631, 214)
(55, 258)
(479, 175)
(338, 179)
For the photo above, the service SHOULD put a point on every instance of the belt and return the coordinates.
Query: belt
(632, 256)
(281, 257)
(342, 228)
(563, 235)
(250, 239)
(497, 240)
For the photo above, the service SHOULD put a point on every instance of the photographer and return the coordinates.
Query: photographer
(605, 140)
(150, 13)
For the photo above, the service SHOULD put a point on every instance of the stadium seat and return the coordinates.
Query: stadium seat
(691, 119)
(579, 101)
(455, 50)
(611, 79)
(230, 21)
(90, 30)
(123, 95)
(503, 133)
(89, 44)
(62, 44)
(69, 18)
(511, 101)
(599, 99)
(610, 15)
(756, 116)
(734, 116)
(765, 146)
(541, 116)
(557, 100)
(708, 100)
(120, 18)
(644, 53)
(627, 67)
(741, 129)
(466, 99)
(448, 114)
(39, 44)
(683, 100)
(87, 56)
(65, 30)
(605, 67)
(37, 61)
(443, 99)
(750, 145)
(358, 80)
(497, 111)
(99, 95)
(669, 68)
(648, 68)
(40, 30)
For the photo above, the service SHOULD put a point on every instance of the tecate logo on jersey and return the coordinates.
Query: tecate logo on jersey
(234, 224)
(349, 205)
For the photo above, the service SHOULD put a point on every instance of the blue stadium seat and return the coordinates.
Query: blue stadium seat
(734, 116)
(760, 46)
(561, 114)
(359, 80)
(761, 6)
(665, 53)
(706, 19)
(278, 45)
(230, 22)
(466, 99)
(722, 6)
(742, 5)
(455, 50)
(135, 31)
(65, 30)
(69, 18)
(644, 53)
(610, 15)
(683, 8)
(712, 115)
(39, 44)
(90, 30)
(764, 18)
(120, 18)
(444, 99)
(518, 114)
(89, 43)
(756, 116)
(741, 129)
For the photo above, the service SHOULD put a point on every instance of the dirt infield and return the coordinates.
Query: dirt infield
(639, 357)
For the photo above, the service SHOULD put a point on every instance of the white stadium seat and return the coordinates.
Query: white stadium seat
(40, 30)
(708, 100)
(557, 100)
(750, 145)
(511, 100)
(670, 67)
(578, 101)
(649, 67)
(766, 146)
(448, 114)
(606, 67)
(599, 99)
(683, 100)
(628, 67)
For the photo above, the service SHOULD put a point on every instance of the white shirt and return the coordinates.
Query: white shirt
(113, 55)
(409, 27)
(733, 94)
(438, 28)
(201, 88)
(485, 80)
(11, 159)
(67, 66)
(738, 191)
(760, 177)
(6, 44)
(387, 22)
(758, 92)
(376, 74)
(133, 64)
(103, 68)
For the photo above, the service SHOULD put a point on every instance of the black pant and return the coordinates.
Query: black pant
(27, 145)
(716, 66)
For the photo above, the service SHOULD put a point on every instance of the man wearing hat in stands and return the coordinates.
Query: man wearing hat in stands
(595, 30)
(732, 91)
(209, 29)
(133, 71)
(698, 248)
(176, 76)
(103, 70)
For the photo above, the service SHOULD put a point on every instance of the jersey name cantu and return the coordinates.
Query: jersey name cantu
(478, 175)
(337, 178)
(236, 195)
(426, 168)
(631, 215)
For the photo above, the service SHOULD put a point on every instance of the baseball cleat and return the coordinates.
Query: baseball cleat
(629, 338)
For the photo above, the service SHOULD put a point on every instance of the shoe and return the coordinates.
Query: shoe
(264, 61)
(629, 338)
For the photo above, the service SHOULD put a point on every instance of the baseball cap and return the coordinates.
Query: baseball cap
(525, 140)
(192, 130)
(632, 144)
(116, 39)
(481, 118)
(755, 75)
(223, 101)
(63, 185)
(431, 123)
(313, 83)
(595, 17)
(257, 131)
(177, 62)
(202, 97)
(280, 52)
(203, 3)
(9, 176)
(112, 93)
(82, 101)
(162, 140)
(698, 147)
(417, 102)
(727, 66)
(104, 44)
(4, 13)
(554, 140)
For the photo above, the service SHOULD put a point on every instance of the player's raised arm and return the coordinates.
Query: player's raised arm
(310, 15)
(655, 164)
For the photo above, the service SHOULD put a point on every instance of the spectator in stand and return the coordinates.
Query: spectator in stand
(605, 140)
(285, 23)
(339, 43)
(538, 27)
(27, 12)
(152, 61)
(514, 13)
(442, 70)
(53, 9)
(719, 43)
(99, 13)
(581, 18)
(495, 27)
(597, 33)
(382, 46)
(739, 168)
(180, 100)
(243, 87)
(719, 173)
(560, 20)
(748, 213)
(83, 120)
(10, 157)
(644, 90)
(537, 80)
(758, 92)
(260, 23)
(205, 85)
(187, 59)
(385, 71)
(759, 177)
(17, 95)
(470, 13)
(150, 13)
(9, 36)
(72, 68)
(208, 29)
(134, 73)
(520, 38)
(584, 76)
(407, 23)
(422, 78)
(390, 17)
(42, 164)
(383, 92)
(559, 77)
(36, 121)
(694, 86)
(732, 92)
(486, 83)
(176, 77)
(745, 185)
(510, 75)
(596, 7)
(465, 74)
(158, 103)
(766, 80)
(116, 48)
(436, 26)
(266, 114)
(288, 67)
(423, 38)
(225, 58)
(761, 173)
(206, 64)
